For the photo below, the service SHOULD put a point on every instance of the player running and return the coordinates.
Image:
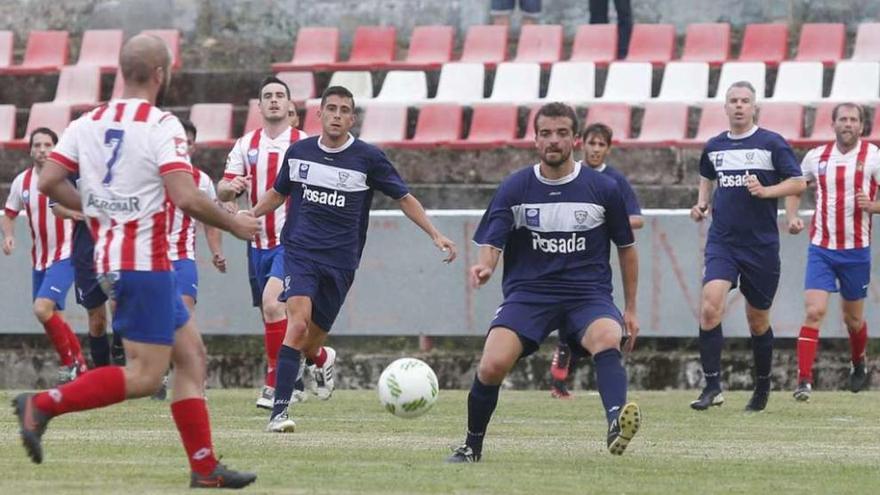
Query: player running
(554, 222)
(846, 173)
(753, 168)
(130, 155)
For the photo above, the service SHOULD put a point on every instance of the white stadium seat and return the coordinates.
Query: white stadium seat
(516, 82)
(685, 82)
(404, 87)
(628, 82)
(360, 83)
(572, 82)
(731, 72)
(855, 81)
(460, 83)
(799, 82)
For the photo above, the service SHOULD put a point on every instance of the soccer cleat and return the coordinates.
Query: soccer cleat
(32, 423)
(758, 402)
(561, 361)
(68, 373)
(622, 430)
(162, 393)
(324, 379)
(298, 396)
(464, 454)
(222, 477)
(267, 398)
(558, 390)
(803, 391)
(858, 377)
(281, 424)
(708, 397)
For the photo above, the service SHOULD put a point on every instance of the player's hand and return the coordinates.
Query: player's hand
(8, 245)
(229, 206)
(863, 201)
(239, 184)
(795, 225)
(447, 246)
(244, 225)
(756, 189)
(631, 321)
(219, 262)
(699, 212)
(479, 275)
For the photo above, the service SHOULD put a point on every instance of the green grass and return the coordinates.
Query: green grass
(535, 445)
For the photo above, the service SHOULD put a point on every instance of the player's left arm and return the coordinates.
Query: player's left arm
(215, 243)
(414, 210)
(621, 233)
(54, 184)
(636, 221)
(67, 213)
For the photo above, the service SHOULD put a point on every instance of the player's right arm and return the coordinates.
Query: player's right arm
(492, 235)
(809, 168)
(277, 195)
(14, 205)
(700, 211)
(235, 181)
(487, 260)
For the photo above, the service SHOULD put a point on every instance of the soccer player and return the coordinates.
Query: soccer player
(50, 254)
(130, 155)
(554, 222)
(753, 167)
(252, 166)
(846, 173)
(329, 180)
(597, 146)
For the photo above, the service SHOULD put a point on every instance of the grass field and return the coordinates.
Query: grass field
(534, 445)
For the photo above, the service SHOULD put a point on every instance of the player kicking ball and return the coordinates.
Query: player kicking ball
(554, 222)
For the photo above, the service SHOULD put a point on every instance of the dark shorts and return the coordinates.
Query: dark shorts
(148, 305)
(264, 264)
(851, 268)
(187, 278)
(754, 269)
(88, 291)
(53, 282)
(325, 285)
(528, 7)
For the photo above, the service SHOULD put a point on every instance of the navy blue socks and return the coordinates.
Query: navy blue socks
(481, 404)
(762, 351)
(611, 381)
(287, 371)
(99, 348)
(711, 342)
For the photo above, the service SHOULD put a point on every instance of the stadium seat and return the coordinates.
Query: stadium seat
(360, 83)
(867, 44)
(485, 45)
(572, 82)
(528, 138)
(821, 43)
(492, 125)
(539, 43)
(766, 43)
(214, 124)
(437, 125)
(301, 84)
(855, 81)
(117, 85)
(384, 124)
(79, 86)
(822, 131)
(614, 115)
(460, 83)
(654, 43)
(595, 43)
(316, 47)
(707, 42)
(373, 48)
(7, 124)
(312, 124)
(171, 37)
(787, 119)
(100, 47)
(516, 82)
(713, 121)
(731, 72)
(254, 119)
(874, 137)
(429, 48)
(663, 124)
(7, 45)
(46, 52)
(628, 82)
(799, 81)
(404, 86)
(685, 81)
(55, 116)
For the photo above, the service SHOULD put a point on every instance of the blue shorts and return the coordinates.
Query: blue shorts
(88, 291)
(264, 264)
(528, 7)
(187, 278)
(755, 269)
(53, 282)
(533, 322)
(850, 267)
(148, 305)
(325, 285)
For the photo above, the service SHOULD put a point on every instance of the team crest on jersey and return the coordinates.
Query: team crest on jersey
(719, 160)
(533, 217)
(343, 178)
(25, 195)
(750, 157)
(303, 170)
(823, 167)
(180, 147)
(252, 156)
(580, 216)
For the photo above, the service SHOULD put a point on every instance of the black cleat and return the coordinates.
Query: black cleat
(33, 424)
(708, 397)
(858, 377)
(758, 402)
(803, 391)
(624, 428)
(464, 454)
(558, 390)
(222, 477)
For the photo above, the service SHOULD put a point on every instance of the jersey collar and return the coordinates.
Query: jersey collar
(744, 135)
(344, 147)
(560, 181)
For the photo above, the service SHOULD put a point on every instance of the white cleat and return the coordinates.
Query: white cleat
(267, 398)
(298, 396)
(323, 377)
(281, 424)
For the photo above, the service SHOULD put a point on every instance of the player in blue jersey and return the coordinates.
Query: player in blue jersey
(554, 222)
(753, 167)
(330, 181)
(596, 140)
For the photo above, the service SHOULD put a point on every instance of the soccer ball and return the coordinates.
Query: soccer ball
(408, 388)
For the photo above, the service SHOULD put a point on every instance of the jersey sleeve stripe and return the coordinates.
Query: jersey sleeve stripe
(230, 176)
(65, 162)
(168, 168)
(10, 212)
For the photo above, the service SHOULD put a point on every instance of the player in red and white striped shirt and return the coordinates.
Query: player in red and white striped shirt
(846, 173)
(50, 254)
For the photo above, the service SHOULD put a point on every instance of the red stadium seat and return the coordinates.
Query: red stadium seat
(316, 47)
(528, 138)
(614, 115)
(867, 44)
(7, 124)
(46, 53)
(485, 44)
(312, 124)
(491, 125)
(171, 37)
(707, 42)
(713, 121)
(595, 43)
(787, 119)
(55, 116)
(7, 45)
(438, 124)
(653, 43)
(100, 47)
(821, 43)
(373, 48)
(384, 124)
(766, 43)
(429, 48)
(822, 131)
(664, 124)
(213, 122)
(540, 43)
(301, 84)
(79, 86)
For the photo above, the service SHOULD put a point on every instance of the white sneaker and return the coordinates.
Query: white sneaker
(281, 424)
(325, 382)
(267, 398)
(299, 396)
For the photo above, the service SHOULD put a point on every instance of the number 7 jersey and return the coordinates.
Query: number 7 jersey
(121, 150)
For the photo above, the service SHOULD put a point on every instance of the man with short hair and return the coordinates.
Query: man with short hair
(328, 182)
(753, 167)
(554, 222)
(50, 255)
(846, 173)
(130, 156)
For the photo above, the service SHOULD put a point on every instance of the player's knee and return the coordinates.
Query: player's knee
(97, 322)
(854, 323)
(602, 340)
(491, 371)
(273, 310)
(710, 314)
(44, 309)
(296, 335)
(815, 314)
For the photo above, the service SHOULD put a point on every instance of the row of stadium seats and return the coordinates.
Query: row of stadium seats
(491, 125)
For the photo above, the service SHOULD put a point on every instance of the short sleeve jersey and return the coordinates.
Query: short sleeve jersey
(331, 190)
(738, 218)
(556, 234)
(182, 227)
(626, 190)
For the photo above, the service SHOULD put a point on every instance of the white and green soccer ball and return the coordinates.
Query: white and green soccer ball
(408, 388)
